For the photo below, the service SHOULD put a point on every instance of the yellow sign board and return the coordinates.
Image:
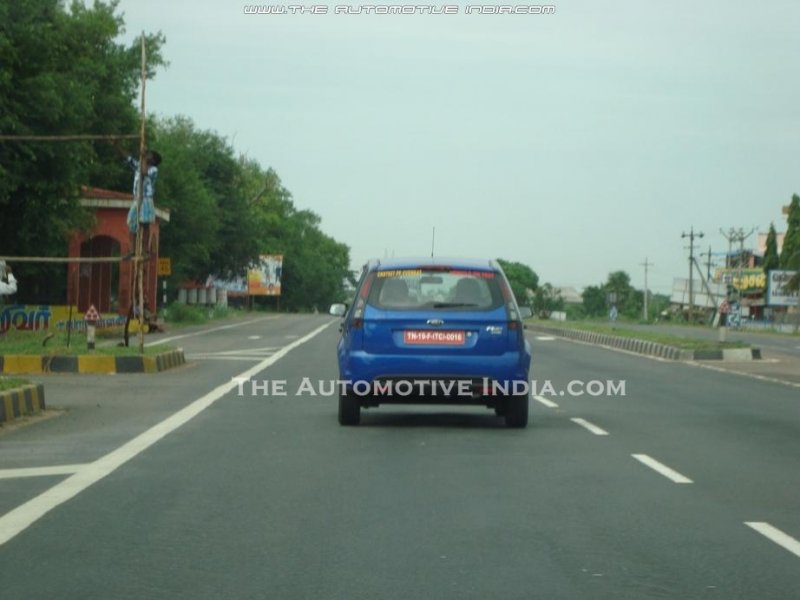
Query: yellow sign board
(164, 267)
(742, 279)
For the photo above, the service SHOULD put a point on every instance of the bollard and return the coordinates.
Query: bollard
(90, 331)
(723, 333)
(91, 317)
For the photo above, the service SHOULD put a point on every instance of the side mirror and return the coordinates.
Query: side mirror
(338, 310)
(524, 312)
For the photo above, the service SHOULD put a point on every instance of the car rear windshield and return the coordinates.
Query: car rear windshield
(439, 289)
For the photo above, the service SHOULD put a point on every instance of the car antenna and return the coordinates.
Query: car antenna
(433, 240)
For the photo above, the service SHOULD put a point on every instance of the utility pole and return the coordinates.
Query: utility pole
(708, 263)
(691, 235)
(646, 264)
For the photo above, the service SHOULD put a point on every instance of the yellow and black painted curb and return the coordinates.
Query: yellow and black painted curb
(22, 401)
(15, 364)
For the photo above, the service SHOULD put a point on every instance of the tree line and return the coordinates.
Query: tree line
(65, 73)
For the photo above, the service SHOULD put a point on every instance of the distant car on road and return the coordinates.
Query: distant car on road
(433, 331)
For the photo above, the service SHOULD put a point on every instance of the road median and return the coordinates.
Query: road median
(657, 345)
(16, 364)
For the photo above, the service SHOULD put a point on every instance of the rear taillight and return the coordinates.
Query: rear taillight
(358, 314)
(511, 307)
(361, 302)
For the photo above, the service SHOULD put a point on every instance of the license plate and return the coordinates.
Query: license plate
(439, 338)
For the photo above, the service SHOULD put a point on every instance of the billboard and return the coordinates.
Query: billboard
(264, 278)
(777, 294)
(742, 279)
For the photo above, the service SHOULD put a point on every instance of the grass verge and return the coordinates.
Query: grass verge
(183, 315)
(684, 343)
(10, 383)
(46, 344)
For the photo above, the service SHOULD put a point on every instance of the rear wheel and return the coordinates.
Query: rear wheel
(516, 412)
(349, 410)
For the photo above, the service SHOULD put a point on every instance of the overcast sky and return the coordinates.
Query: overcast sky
(578, 143)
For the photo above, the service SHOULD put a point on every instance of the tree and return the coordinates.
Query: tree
(546, 300)
(659, 303)
(226, 211)
(620, 292)
(771, 257)
(521, 278)
(617, 290)
(594, 301)
(790, 254)
(63, 73)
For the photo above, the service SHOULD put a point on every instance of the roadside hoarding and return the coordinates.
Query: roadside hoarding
(777, 294)
(47, 317)
(742, 279)
(264, 279)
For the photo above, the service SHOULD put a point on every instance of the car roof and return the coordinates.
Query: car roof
(427, 261)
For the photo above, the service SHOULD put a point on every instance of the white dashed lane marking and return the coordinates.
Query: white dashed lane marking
(545, 401)
(589, 426)
(784, 540)
(661, 468)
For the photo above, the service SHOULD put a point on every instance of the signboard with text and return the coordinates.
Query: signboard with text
(47, 317)
(777, 294)
(742, 279)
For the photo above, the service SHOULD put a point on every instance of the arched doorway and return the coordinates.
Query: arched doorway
(98, 283)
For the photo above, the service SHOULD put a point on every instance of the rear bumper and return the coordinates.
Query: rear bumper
(434, 379)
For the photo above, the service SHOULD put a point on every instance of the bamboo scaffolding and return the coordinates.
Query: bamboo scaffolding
(66, 259)
(139, 264)
(67, 138)
(139, 258)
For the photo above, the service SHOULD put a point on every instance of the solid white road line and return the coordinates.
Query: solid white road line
(40, 471)
(776, 535)
(205, 331)
(590, 426)
(545, 401)
(265, 351)
(743, 374)
(661, 468)
(215, 357)
(23, 516)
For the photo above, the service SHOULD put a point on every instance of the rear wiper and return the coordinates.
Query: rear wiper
(453, 304)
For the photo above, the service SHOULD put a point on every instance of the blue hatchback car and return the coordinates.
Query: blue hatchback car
(433, 331)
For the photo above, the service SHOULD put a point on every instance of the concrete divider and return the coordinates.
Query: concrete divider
(22, 401)
(648, 347)
(11, 364)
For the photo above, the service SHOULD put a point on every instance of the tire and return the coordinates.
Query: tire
(517, 412)
(349, 410)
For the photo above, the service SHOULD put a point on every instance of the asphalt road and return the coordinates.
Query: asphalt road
(265, 496)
